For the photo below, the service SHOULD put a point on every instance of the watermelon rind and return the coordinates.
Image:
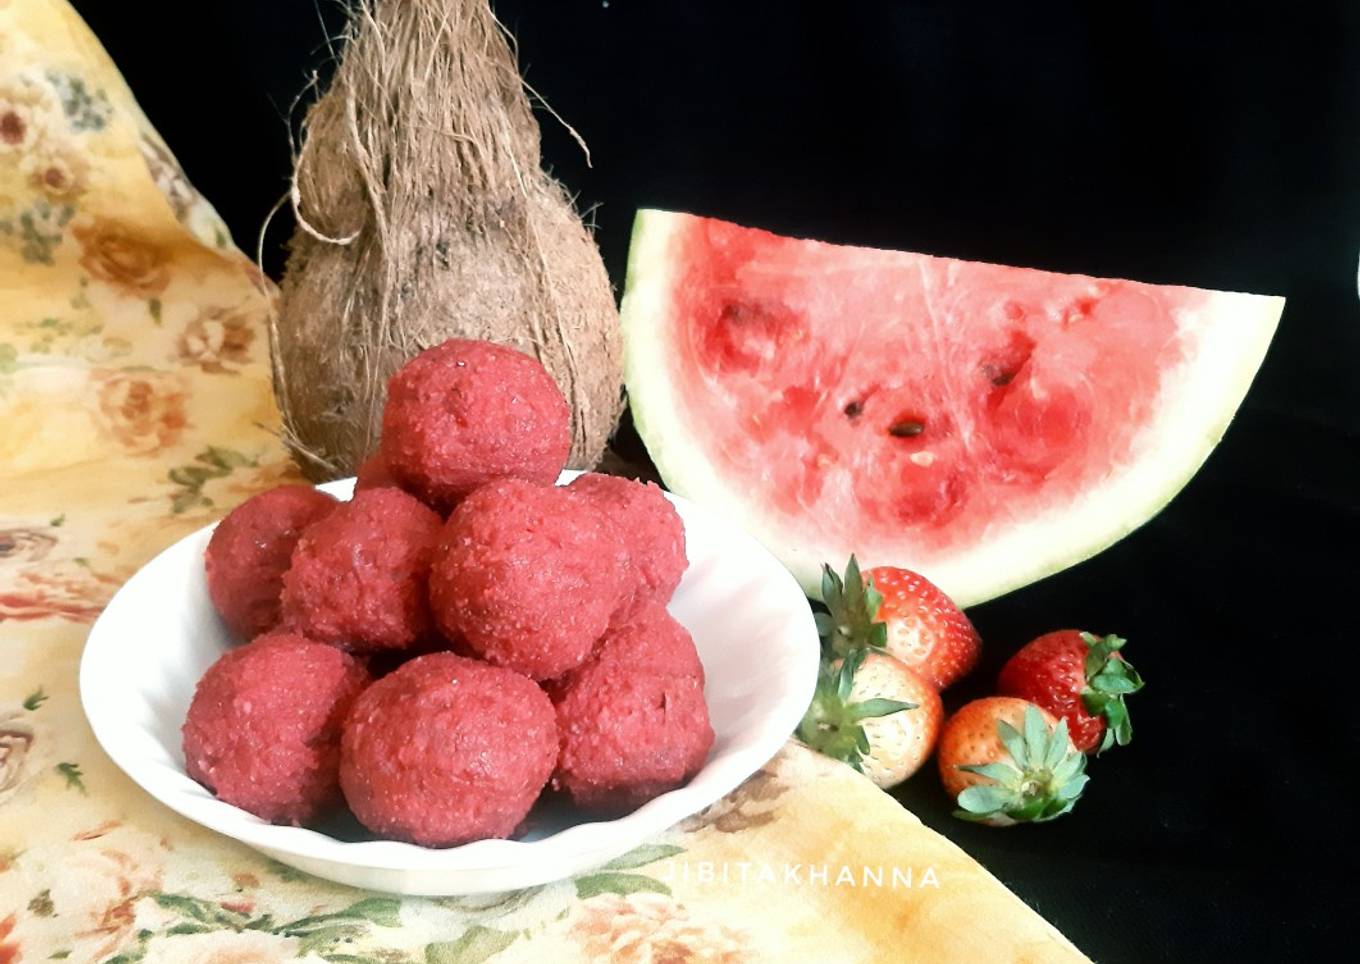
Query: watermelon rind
(1195, 408)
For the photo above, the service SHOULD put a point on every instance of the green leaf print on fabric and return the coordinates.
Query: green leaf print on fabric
(641, 856)
(214, 462)
(74, 778)
(477, 944)
(39, 230)
(614, 883)
(331, 936)
(285, 873)
(85, 109)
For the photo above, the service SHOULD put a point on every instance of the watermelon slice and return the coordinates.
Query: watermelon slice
(984, 425)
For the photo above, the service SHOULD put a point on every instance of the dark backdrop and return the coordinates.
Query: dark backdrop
(1210, 144)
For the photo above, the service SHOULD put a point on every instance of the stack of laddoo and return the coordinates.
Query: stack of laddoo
(461, 635)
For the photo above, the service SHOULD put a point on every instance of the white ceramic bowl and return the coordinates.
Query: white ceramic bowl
(752, 626)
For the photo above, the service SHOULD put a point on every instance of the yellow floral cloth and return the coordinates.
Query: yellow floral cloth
(135, 407)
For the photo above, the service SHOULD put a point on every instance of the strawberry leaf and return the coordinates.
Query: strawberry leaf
(982, 798)
(1113, 683)
(879, 706)
(1057, 747)
(1002, 773)
(1073, 787)
(1108, 680)
(830, 726)
(1036, 736)
(852, 604)
(1015, 746)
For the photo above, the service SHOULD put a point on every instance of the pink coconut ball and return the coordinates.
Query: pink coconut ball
(446, 750)
(251, 549)
(465, 413)
(648, 640)
(358, 578)
(651, 530)
(263, 730)
(632, 719)
(527, 576)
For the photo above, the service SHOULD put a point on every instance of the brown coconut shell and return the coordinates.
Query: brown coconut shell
(423, 214)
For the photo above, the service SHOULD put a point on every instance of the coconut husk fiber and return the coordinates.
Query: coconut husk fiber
(423, 214)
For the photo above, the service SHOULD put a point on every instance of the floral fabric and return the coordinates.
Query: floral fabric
(135, 407)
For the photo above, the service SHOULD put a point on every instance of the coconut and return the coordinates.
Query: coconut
(423, 214)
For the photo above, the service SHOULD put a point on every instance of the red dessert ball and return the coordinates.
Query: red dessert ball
(372, 474)
(358, 577)
(651, 530)
(467, 412)
(250, 550)
(527, 576)
(263, 730)
(445, 750)
(632, 721)
(648, 640)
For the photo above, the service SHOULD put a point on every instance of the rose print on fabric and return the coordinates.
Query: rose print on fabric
(111, 252)
(753, 804)
(9, 949)
(17, 738)
(142, 411)
(651, 929)
(35, 140)
(105, 873)
(217, 340)
(28, 111)
(34, 586)
(223, 947)
(56, 169)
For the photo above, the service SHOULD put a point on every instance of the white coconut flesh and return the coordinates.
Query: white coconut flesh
(984, 425)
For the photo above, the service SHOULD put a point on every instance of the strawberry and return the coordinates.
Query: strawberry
(1081, 678)
(874, 713)
(1007, 761)
(902, 613)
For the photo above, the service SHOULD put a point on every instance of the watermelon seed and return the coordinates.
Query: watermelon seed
(998, 376)
(854, 408)
(906, 429)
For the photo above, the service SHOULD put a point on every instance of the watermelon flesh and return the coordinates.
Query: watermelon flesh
(984, 425)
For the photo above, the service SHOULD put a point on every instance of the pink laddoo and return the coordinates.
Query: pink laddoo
(250, 550)
(263, 730)
(527, 576)
(358, 577)
(372, 474)
(465, 413)
(445, 750)
(649, 641)
(652, 533)
(632, 721)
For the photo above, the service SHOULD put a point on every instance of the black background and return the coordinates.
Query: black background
(1210, 144)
